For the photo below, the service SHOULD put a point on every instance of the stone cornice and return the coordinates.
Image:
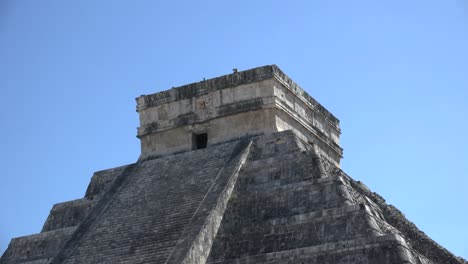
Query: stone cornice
(247, 105)
(231, 80)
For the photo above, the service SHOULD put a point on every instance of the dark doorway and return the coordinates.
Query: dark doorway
(199, 141)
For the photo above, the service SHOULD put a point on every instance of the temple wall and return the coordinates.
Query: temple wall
(218, 130)
(257, 101)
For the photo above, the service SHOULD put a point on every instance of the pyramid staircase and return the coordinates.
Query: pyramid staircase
(287, 208)
(267, 199)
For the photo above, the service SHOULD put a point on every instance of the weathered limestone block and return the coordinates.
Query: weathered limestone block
(38, 248)
(149, 212)
(195, 243)
(101, 180)
(67, 214)
(257, 101)
(239, 169)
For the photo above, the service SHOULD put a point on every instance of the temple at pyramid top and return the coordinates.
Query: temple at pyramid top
(243, 168)
(258, 101)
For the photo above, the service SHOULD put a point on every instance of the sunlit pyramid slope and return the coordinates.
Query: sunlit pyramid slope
(243, 168)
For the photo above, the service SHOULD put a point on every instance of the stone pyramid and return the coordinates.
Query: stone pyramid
(243, 168)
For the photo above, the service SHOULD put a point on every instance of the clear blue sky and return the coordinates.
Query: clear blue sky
(394, 72)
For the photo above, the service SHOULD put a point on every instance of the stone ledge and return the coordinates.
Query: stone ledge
(38, 261)
(101, 180)
(311, 128)
(199, 88)
(348, 246)
(96, 211)
(36, 247)
(316, 216)
(67, 214)
(195, 244)
(417, 239)
(231, 80)
(192, 118)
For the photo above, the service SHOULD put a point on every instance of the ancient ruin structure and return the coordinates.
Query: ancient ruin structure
(243, 168)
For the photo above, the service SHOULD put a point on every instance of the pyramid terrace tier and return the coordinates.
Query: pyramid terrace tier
(253, 102)
(267, 199)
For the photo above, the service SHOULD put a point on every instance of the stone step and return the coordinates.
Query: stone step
(101, 180)
(37, 261)
(37, 247)
(152, 208)
(301, 230)
(272, 160)
(300, 167)
(286, 200)
(277, 144)
(67, 214)
(387, 249)
(256, 183)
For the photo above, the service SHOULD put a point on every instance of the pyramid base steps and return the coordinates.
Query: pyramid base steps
(381, 249)
(37, 248)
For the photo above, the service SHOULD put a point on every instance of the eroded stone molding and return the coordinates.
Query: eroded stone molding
(262, 100)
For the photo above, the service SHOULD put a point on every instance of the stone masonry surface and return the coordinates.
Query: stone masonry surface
(273, 200)
(262, 100)
(266, 189)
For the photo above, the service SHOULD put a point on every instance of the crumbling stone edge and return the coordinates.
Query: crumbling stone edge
(412, 234)
(195, 243)
(95, 213)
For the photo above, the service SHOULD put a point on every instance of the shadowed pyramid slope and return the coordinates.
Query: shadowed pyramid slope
(157, 205)
(64, 220)
(292, 206)
(274, 200)
(266, 189)
(149, 214)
